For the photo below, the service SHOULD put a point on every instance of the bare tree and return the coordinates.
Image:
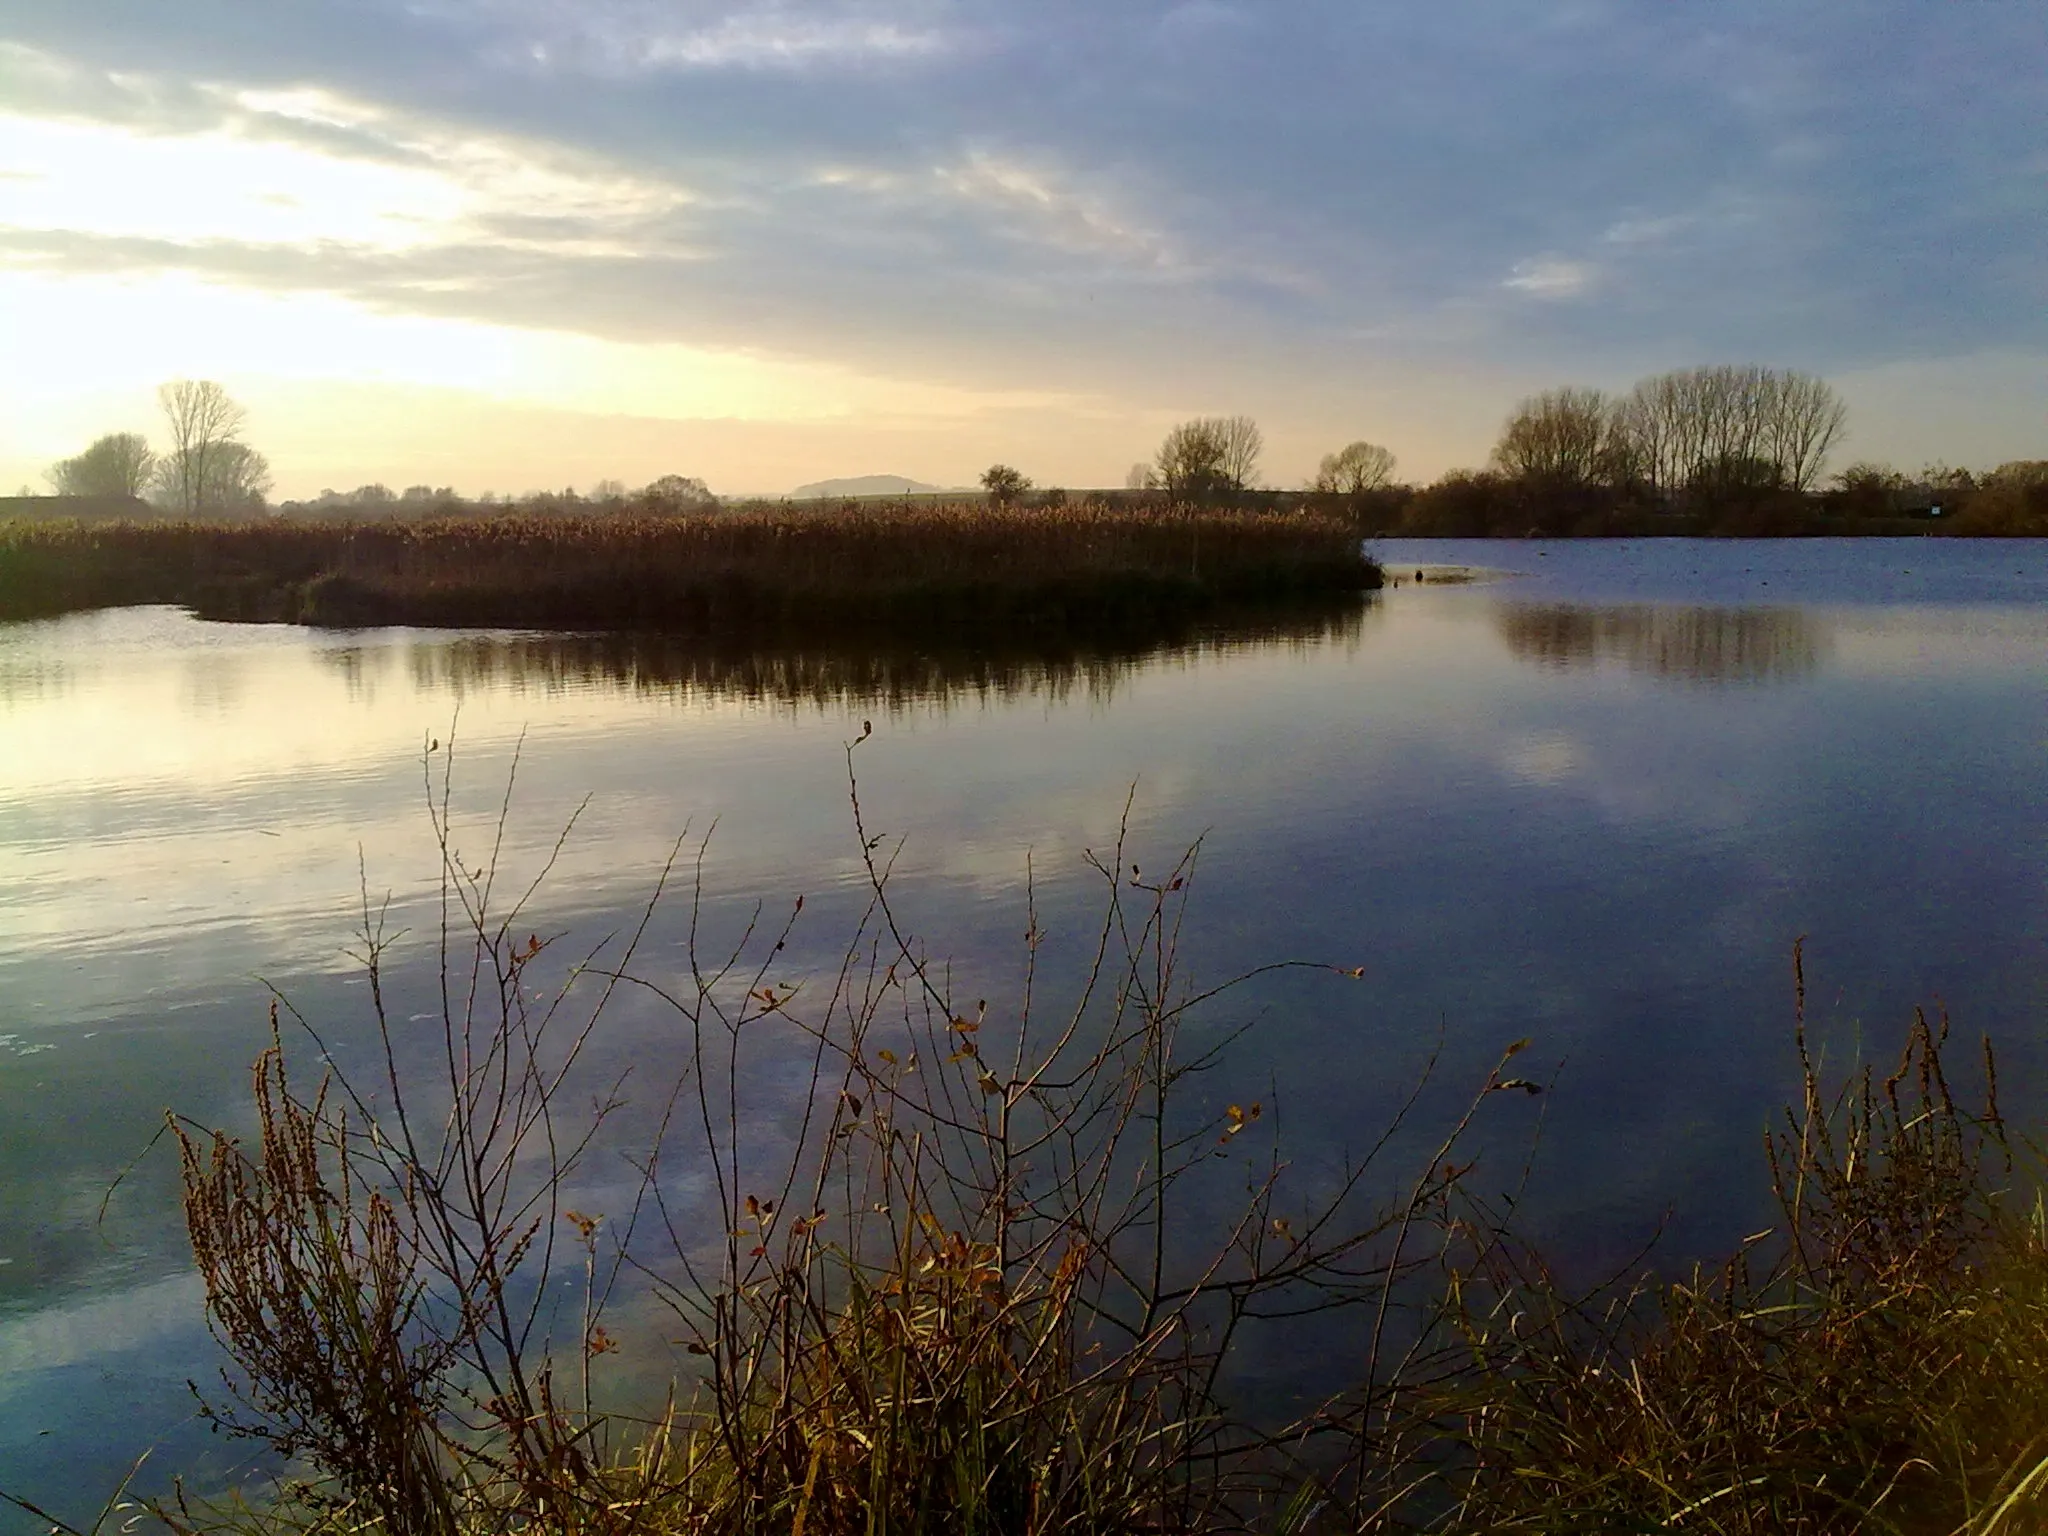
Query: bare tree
(1707, 427)
(1559, 436)
(203, 421)
(1190, 461)
(1243, 442)
(1354, 469)
(1209, 455)
(1804, 417)
(1142, 477)
(118, 464)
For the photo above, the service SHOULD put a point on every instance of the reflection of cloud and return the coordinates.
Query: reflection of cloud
(72, 1332)
(1550, 758)
(880, 677)
(1719, 645)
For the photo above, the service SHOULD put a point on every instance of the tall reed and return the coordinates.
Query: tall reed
(947, 570)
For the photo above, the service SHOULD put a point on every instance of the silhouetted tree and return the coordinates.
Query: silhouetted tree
(678, 493)
(204, 422)
(1004, 484)
(1243, 442)
(1189, 466)
(1557, 438)
(1354, 469)
(1687, 428)
(237, 479)
(119, 464)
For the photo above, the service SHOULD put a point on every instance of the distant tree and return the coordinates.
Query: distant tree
(677, 493)
(1004, 484)
(1692, 427)
(1141, 477)
(1802, 419)
(608, 490)
(203, 422)
(1354, 469)
(1940, 477)
(237, 480)
(1734, 476)
(1558, 438)
(119, 464)
(1865, 478)
(1243, 442)
(1191, 462)
(2020, 474)
(416, 495)
(2011, 500)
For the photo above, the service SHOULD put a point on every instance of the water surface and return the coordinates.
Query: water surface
(1592, 801)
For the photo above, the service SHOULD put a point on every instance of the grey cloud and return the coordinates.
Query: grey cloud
(1830, 185)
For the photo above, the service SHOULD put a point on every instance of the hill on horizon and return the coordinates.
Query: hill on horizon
(867, 485)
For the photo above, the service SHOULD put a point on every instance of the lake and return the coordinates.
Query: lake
(1591, 799)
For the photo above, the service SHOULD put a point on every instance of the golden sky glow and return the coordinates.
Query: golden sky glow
(104, 341)
(516, 243)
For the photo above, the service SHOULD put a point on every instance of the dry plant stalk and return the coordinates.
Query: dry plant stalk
(955, 1296)
(1874, 1363)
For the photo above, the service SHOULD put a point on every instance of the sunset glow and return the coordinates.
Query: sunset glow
(530, 235)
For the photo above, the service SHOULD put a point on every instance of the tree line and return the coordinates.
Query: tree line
(1734, 449)
(1690, 432)
(206, 470)
(1723, 449)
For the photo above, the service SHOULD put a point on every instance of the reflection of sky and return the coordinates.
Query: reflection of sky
(1597, 854)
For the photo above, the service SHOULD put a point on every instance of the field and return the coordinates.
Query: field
(964, 571)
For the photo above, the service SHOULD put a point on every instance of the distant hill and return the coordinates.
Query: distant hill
(866, 485)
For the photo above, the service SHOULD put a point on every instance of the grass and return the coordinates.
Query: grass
(966, 572)
(970, 1287)
(1875, 1362)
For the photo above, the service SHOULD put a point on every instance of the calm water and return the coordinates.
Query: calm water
(1592, 802)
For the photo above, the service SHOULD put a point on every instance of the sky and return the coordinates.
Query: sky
(517, 244)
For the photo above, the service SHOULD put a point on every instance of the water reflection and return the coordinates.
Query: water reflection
(886, 678)
(1710, 645)
(33, 678)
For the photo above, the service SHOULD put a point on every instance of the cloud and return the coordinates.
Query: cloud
(775, 41)
(1041, 204)
(625, 37)
(1183, 200)
(1553, 277)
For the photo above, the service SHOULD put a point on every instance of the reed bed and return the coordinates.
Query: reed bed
(964, 568)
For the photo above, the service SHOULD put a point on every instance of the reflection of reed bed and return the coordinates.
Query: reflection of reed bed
(1739, 645)
(877, 676)
(899, 570)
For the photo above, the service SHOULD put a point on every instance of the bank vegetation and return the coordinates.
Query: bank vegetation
(961, 572)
